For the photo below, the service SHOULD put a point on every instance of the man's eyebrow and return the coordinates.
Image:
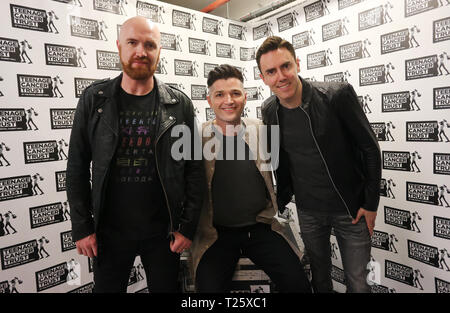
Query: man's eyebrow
(151, 40)
(272, 68)
(222, 90)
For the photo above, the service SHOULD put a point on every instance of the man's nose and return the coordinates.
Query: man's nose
(140, 51)
(281, 75)
(228, 99)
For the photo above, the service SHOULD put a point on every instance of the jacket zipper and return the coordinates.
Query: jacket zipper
(324, 162)
(159, 175)
(279, 143)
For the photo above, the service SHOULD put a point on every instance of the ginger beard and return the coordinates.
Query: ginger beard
(142, 71)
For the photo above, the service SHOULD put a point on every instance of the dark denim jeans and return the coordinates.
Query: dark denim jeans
(354, 244)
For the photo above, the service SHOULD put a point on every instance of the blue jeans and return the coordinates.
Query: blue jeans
(354, 243)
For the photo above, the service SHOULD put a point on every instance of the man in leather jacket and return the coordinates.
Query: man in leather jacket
(329, 158)
(140, 200)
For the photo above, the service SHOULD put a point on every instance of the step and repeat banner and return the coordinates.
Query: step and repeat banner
(395, 53)
(50, 51)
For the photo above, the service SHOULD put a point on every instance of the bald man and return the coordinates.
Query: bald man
(137, 199)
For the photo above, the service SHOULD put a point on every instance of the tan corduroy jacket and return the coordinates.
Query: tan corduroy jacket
(206, 234)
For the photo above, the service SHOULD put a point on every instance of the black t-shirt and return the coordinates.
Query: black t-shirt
(238, 189)
(312, 185)
(135, 205)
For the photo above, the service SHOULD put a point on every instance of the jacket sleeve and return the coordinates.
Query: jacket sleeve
(284, 183)
(78, 173)
(194, 174)
(357, 124)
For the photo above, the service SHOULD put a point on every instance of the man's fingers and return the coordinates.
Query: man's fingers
(90, 253)
(87, 246)
(356, 220)
(177, 246)
(371, 226)
(174, 246)
(180, 243)
(359, 214)
(89, 250)
(94, 250)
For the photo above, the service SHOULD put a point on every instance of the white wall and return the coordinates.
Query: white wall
(416, 251)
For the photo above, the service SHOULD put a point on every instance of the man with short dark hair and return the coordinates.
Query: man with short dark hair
(329, 159)
(238, 215)
(142, 201)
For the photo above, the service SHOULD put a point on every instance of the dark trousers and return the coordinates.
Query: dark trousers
(115, 258)
(264, 247)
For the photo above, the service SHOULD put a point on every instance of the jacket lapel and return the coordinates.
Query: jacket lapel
(108, 108)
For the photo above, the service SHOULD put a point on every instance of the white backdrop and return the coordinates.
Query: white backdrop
(390, 51)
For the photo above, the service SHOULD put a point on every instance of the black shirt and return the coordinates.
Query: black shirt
(135, 205)
(238, 189)
(312, 185)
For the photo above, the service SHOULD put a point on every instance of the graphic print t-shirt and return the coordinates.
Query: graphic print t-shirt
(135, 206)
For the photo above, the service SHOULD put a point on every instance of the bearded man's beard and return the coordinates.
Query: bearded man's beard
(140, 73)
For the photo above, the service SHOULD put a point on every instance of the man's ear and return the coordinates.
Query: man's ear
(262, 77)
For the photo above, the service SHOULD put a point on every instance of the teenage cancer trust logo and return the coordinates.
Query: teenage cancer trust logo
(23, 253)
(47, 214)
(13, 50)
(403, 274)
(45, 151)
(39, 86)
(33, 19)
(402, 218)
(87, 28)
(61, 55)
(430, 131)
(433, 256)
(66, 272)
(427, 193)
(378, 74)
(401, 161)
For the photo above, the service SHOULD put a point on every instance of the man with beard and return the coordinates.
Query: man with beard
(141, 200)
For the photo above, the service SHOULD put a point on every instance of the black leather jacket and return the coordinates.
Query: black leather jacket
(94, 138)
(345, 140)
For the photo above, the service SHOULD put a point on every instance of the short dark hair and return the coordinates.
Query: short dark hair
(224, 71)
(273, 43)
